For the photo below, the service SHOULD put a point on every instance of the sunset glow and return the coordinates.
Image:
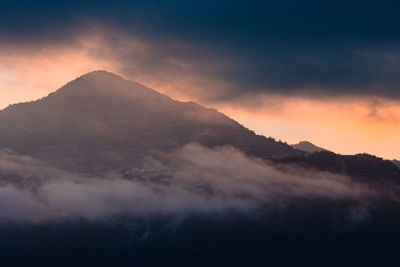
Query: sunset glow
(199, 133)
(343, 125)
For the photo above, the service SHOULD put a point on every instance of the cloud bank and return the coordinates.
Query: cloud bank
(196, 180)
(226, 49)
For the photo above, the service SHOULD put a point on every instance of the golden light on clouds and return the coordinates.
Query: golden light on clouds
(27, 75)
(343, 125)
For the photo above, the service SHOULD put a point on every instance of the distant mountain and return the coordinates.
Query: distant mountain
(101, 121)
(308, 147)
(363, 167)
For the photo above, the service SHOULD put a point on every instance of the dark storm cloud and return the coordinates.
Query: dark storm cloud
(285, 47)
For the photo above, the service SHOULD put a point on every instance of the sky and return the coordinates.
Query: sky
(322, 71)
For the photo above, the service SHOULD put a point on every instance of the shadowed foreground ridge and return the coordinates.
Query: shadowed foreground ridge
(101, 121)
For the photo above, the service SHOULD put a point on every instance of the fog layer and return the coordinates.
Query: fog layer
(197, 180)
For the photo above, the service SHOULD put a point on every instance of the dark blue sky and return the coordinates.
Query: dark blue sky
(318, 48)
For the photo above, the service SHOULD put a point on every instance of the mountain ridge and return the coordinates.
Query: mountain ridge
(101, 121)
(308, 147)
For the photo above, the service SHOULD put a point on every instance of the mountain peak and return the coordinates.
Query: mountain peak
(101, 121)
(100, 74)
(97, 77)
(101, 82)
(308, 147)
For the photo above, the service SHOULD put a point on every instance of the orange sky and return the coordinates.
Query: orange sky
(343, 125)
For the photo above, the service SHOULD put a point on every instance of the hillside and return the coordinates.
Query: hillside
(101, 121)
(396, 162)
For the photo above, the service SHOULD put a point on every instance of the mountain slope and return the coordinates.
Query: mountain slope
(396, 162)
(100, 121)
(363, 167)
(308, 147)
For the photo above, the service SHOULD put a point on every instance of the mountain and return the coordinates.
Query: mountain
(100, 121)
(363, 167)
(396, 162)
(308, 147)
(218, 208)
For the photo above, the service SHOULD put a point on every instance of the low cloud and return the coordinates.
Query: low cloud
(196, 180)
